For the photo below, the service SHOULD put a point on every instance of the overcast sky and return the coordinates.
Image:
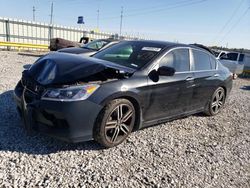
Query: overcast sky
(210, 22)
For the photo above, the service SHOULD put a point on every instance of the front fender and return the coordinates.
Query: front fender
(127, 94)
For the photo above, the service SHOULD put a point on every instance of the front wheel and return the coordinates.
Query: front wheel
(114, 123)
(216, 103)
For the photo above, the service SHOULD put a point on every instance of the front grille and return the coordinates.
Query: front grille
(30, 96)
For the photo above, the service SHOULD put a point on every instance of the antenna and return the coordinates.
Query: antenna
(51, 13)
(121, 21)
(34, 16)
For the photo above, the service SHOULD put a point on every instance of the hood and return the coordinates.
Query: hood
(75, 50)
(63, 68)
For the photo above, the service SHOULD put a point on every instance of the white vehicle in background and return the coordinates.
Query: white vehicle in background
(234, 61)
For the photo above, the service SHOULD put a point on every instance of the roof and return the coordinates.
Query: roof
(167, 44)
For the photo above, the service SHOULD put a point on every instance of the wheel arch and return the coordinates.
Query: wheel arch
(225, 89)
(134, 99)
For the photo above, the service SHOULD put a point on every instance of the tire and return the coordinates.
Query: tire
(114, 123)
(216, 102)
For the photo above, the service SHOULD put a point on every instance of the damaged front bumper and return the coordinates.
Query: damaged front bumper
(69, 121)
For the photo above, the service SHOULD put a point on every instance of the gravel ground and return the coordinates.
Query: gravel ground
(196, 151)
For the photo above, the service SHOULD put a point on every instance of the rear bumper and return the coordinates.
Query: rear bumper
(68, 121)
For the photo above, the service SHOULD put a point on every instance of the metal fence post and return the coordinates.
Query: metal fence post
(7, 26)
(50, 33)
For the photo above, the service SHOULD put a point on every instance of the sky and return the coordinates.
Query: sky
(209, 22)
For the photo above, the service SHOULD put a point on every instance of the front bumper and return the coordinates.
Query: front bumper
(68, 121)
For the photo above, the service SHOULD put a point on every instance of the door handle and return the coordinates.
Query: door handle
(216, 75)
(189, 79)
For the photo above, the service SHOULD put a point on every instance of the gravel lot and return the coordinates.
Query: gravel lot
(196, 151)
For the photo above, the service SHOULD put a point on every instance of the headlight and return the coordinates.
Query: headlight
(74, 93)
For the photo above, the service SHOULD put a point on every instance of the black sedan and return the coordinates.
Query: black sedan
(126, 87)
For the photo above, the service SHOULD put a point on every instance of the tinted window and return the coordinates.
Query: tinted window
(230, 56)
(96, 44)
(201, 60)
(213, 62)
(178, 59)
(241, 57)
(119, 55)
(131, 54)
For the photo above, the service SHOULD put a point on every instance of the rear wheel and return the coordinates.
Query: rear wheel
(217, 102)
(114, 123)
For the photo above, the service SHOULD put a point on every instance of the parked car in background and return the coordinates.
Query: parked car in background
(234, 61)
(246, 61)
(128, 86)
(91, 48)
(59, 43)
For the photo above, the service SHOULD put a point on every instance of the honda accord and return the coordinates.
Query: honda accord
(126, 87)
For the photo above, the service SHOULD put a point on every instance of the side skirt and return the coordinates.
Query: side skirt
(167, 119)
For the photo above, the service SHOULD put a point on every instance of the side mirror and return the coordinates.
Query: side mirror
(162, 71)
(166, 71)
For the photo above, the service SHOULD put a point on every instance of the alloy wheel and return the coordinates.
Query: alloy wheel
(218, 101)
(119, 123)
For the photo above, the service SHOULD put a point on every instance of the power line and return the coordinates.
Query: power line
(162, 9)
(228, 21)
(235, 24)
(158, 6)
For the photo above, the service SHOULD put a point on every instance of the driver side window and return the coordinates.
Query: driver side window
(177, 59)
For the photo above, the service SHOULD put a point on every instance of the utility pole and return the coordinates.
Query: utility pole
(34, 16)
(51, 22)
(51, 13)
(98, 17)
(121, 21)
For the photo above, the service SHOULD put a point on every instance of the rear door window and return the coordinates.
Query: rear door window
(241, 58)
(202, 61)
(178, 59)
(213, 62)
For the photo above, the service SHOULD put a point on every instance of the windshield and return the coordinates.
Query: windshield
(96, 44)
(133, 54)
